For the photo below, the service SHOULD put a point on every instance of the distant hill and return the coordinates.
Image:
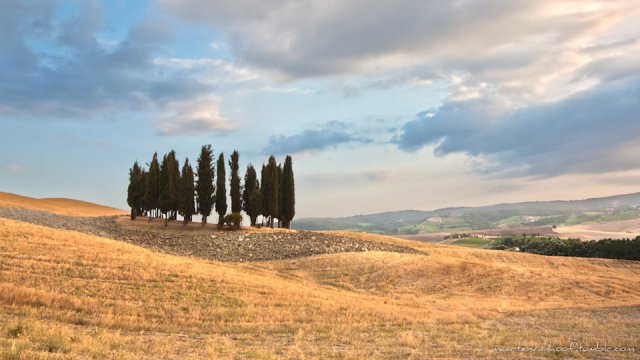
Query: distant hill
(534, 213)
(58, 205)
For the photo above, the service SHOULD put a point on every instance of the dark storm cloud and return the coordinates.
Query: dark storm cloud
(594, 131)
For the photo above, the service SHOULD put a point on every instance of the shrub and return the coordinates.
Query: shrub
(233, 220)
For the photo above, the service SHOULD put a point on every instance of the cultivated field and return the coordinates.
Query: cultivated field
(613, 230)
(65, 294)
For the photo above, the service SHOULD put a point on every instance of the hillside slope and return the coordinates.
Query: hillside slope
(82, 296)
(58, 205)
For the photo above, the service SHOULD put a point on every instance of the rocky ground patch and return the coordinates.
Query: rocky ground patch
(231, 246)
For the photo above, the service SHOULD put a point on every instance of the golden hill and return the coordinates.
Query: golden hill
(65, 294)
(60, 206)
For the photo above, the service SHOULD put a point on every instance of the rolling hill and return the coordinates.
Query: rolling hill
(501, 216)
(60, 206)
(65, 294)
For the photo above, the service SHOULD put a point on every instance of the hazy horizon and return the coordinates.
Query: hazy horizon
(400, 105)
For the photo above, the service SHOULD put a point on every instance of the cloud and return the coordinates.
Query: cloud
(329, 135)
(55, 66)
(354, 36)
(193, 118)
(377, 176)
(209, 69)
(593, 131)
(12, 168)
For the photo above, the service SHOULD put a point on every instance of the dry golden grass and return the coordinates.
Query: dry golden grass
(60, 206)
(70, 295)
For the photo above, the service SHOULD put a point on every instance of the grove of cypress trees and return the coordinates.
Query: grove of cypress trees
(251, 199)
(288, 205)
(152, 187)
(135, 191)
(166, 191)
(234, 183)
(204, 183)
(221, 191)
(186, 192)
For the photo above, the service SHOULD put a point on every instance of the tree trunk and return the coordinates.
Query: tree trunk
(220, 221)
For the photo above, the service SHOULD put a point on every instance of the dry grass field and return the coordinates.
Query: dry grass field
(60, 206)
(69, 295)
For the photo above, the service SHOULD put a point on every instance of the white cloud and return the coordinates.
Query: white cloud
(530, 52)
(12, 168)
(213, 70)
(197, 117)
(286, 90)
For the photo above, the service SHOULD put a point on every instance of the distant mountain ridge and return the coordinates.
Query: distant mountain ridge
(505, 215)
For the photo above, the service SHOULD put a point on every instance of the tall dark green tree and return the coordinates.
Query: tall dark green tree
(186, 189)
(264, 181)
(287, 188)
(152, 188)
(221, 191)
(204, 184)
(234, 183)
(279, 182)
(251, 199)
(174, 182)
(270, 193)
(143, 200)
(170, 177)
(135, 191)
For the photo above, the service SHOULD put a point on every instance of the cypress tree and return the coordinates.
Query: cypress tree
(152, 188)
(143, 200)
(165, 200)
(234, 183)
(271, 193)
(135, 191)
(221, 191)
(279, 185)
(288, 206)
(264, 189)
(204, 183)
(174, 182)
(251, 199)
(186, 192)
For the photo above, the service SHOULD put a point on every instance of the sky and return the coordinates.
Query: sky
(384, 105)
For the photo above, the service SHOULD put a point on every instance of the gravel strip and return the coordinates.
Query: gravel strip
(230, 246)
